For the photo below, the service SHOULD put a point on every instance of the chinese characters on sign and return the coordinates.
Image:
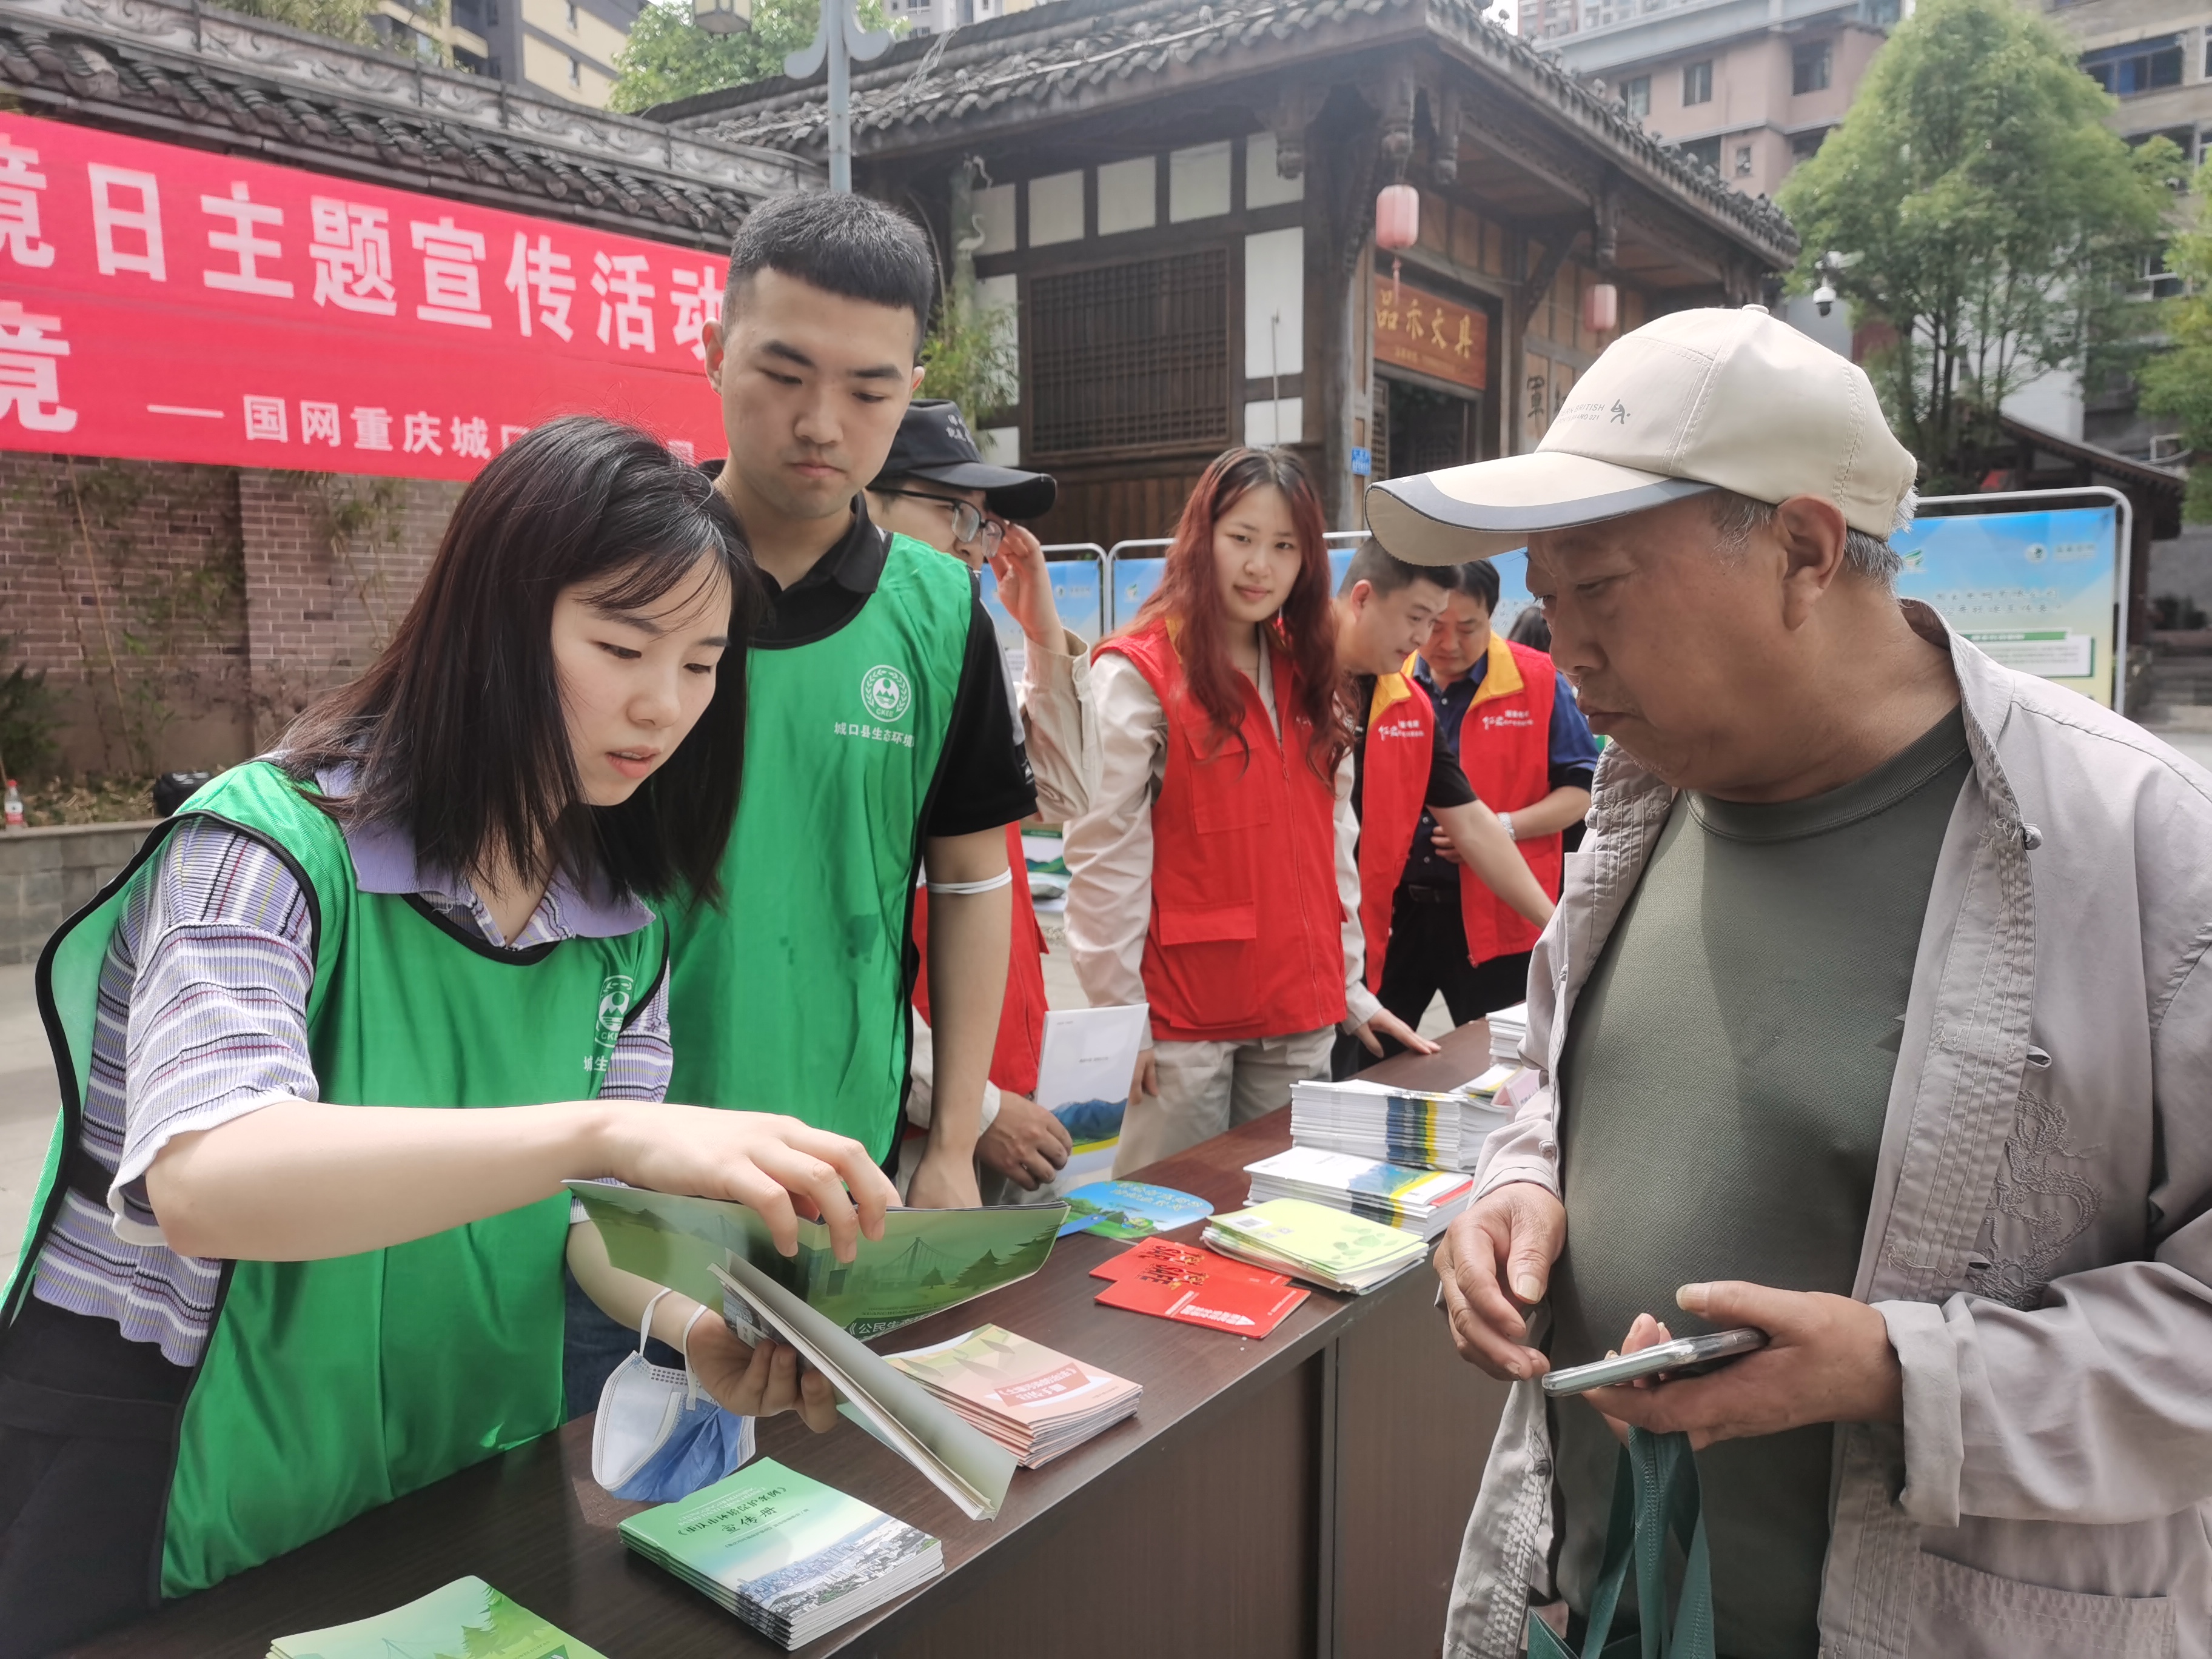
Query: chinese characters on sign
(1416, 330)
(174, 305)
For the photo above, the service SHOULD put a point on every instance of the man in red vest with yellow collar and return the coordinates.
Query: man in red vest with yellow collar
(1522, 743)
(1406, 779)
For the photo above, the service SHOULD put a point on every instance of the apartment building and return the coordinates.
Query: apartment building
(1749, 87)
(566, 47)
(941, 16)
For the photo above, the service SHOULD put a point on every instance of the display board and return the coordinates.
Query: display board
(2037, 590)
(1076, 594)
(177, 305)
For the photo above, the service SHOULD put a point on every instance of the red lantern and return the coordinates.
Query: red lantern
(1601, 308)
(1397, 217)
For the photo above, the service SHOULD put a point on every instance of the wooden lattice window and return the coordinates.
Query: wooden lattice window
(1130, 357)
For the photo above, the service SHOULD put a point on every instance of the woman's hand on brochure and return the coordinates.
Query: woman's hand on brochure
(1025, 1143)
(775, 1165)
(1496, 1260)
(1146, 1081)
(758, 1381)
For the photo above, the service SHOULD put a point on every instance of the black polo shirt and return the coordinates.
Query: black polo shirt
(983, 777)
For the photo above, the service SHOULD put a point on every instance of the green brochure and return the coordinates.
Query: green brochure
(467, 1619)
(926, 1262)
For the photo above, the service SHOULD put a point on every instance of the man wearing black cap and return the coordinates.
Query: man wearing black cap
(936, 487)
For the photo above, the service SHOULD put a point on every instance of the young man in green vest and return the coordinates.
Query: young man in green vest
(879, 742)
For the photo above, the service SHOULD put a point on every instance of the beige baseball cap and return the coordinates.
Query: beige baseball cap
(1694, 401)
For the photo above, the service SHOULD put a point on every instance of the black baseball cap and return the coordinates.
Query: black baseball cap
(932, 443)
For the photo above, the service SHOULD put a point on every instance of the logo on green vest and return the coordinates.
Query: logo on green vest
(614, 1003)
(884, 692)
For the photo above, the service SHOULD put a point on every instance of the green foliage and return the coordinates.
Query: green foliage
(30, 723)
(670, 56)
(1991, 217)
(972, 357)
(341, 19)
(2179, 382)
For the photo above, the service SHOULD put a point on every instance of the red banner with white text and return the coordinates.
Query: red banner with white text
(169, 304)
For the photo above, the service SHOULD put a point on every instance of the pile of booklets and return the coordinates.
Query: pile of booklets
(467, 1616)
(791, 1557)
(1422, 1202)
(1193, 1286)
(1311, 1242)
(1035, 1401)
(1509, 1030)
(1409, 1128)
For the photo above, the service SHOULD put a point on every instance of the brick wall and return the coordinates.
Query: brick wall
(213, 603)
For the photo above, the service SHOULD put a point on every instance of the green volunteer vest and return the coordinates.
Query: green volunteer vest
(790, 995)
(328, 1388)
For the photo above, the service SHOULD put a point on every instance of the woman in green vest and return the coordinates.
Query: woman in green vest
(248, 1309)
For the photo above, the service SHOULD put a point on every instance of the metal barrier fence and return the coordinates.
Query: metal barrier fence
(1078, 591)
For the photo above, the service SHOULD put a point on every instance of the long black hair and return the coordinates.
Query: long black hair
(457, 733)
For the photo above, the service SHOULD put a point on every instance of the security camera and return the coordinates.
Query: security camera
(1824, 297)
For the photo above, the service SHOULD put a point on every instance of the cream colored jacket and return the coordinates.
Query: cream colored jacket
(2041, 1239)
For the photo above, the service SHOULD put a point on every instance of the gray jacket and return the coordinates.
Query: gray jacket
(2041, 1239)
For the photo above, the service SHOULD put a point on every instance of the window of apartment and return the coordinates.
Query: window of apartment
(2153, 281)
(572, 16)
(1697, 81)
(2139, 66)
(575, 72)
(1809, 69)
(1743, 160)
(1706, 152)
(1130, 355)
(1804, 146)
(1636, 95)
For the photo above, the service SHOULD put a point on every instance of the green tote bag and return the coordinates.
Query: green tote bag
(1654, 1493)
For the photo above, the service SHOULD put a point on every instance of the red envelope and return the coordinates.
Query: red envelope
(1237, 1306)
(1169, 1263)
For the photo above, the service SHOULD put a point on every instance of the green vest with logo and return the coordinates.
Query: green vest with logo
(791, 994)
(327, 1388)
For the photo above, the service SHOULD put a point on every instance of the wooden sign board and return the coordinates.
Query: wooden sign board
(1424, 332)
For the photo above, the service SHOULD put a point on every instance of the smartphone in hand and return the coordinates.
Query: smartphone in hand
(1685, 1356)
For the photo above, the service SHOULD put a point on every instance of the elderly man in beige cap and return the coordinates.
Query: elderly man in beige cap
(1874, 1016)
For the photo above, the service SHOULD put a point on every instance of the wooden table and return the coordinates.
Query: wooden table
(1300, 1495)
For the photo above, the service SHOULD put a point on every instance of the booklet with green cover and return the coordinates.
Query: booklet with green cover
(791, 1557)
(464, 1620)
(926, 1262)
(1311, 1242)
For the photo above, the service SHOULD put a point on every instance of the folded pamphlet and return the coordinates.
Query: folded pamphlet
(926, 1262)
(1031, 1399)
(1183, 1263)
(791, 1557)
(466, 1617)
(969, 1467)
(1419, 1201)
(1084, 1066)
(1320, 1245)
(1242, 1307)
(1130, 1209)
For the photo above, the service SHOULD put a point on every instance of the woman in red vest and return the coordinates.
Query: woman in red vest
(1215, 875)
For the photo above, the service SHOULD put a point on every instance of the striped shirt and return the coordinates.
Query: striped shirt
(203, 1018)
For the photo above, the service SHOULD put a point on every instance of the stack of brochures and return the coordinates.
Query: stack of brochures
(1311, 1242)
(1422, 1202)
(791, 1557)
(467, 1616)
(1372, 1121)
(1035, 1401)
(1509, 1030)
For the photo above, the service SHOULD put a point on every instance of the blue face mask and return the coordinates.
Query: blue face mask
(658, 1437)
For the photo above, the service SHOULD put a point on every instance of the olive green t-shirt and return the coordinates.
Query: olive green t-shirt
(1725, 1078)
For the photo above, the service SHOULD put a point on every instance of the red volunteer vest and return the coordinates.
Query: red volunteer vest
(1021, 1021)
(1245, 938)
(1505, 750)
(1393, 787)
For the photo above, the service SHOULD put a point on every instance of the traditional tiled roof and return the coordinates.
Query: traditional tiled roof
(1059, 57)
(213, 79)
